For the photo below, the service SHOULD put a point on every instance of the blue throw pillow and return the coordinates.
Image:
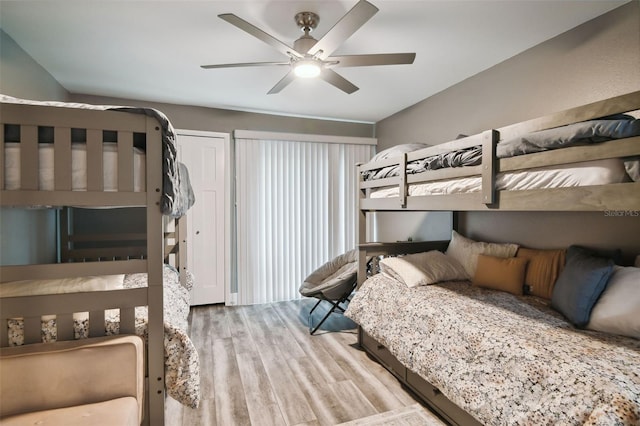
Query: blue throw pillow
(580, 284)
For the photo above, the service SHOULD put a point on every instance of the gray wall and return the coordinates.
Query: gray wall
(596, 60)
(26, 236)
(22, 77)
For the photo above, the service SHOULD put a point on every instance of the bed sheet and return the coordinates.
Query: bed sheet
(504, 359)
(79, 171)
(597, 172)
(182, 367)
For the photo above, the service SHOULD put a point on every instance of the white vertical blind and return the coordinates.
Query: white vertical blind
(296, 209)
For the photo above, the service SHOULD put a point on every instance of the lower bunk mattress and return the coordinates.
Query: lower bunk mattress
(182, 367)
(504, 359)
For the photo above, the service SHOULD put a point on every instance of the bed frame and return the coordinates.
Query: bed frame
(592, 198)
(621, 197)
(155, 244)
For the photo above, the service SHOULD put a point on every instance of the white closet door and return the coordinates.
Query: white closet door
(208, 251)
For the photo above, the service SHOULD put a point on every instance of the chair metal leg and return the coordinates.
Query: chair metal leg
(315, 306)
(334, 306)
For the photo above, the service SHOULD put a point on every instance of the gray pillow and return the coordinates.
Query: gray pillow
(580, 284)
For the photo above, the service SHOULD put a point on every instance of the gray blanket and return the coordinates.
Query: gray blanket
(177, 194)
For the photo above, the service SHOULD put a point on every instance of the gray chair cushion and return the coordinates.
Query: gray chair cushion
(334, 278)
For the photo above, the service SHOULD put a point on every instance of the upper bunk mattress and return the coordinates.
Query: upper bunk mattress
(177, 194)
(597, 172)
(46, 179)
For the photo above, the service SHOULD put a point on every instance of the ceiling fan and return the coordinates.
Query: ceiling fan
(312, 58)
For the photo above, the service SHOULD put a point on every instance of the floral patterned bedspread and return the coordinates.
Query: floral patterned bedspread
(502, 358)
(182, 367)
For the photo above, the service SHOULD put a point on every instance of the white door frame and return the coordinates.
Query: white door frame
(228, 237)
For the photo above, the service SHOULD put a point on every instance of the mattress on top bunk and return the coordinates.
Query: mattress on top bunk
(583, 133)
(177, 195)
(46, 178)
(182, 370)
(596, 172)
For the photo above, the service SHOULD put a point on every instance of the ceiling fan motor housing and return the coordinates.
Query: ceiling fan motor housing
(307, 21)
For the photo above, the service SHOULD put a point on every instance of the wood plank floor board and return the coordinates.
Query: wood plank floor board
(231, 404)
(313, 348)
(204, 415)
(322, 398)
(293, 403)
(261, 402)
(260, 366)
(375, 391)
(239, 331)
(354, 400)
(202, 339)
(382, 375)
(218, 323)
(270, 330)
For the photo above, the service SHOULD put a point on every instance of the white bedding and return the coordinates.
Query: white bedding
(79, 167)
(597, 172)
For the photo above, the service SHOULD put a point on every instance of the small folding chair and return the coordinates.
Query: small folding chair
(333, 282)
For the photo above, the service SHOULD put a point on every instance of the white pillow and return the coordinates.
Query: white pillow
(423, 268)
(397, 150)
(59, 286)
(466, 251)
(618, 308)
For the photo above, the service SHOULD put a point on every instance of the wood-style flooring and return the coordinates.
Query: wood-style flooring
(260, 366)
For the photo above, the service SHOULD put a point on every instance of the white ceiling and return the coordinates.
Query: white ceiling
(152, 50)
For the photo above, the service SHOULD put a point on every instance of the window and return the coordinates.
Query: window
(296, 208)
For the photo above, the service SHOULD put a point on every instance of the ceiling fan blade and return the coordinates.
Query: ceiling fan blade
(282, 83)
(258, 33)
(245, 64)
(343, 29)
(370, 60)
(338, 81)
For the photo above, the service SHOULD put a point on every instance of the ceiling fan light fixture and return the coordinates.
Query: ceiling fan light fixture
(307, 68)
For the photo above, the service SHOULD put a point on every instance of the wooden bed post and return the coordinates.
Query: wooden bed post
(181, 241)
(155, 257)
(489, 141)
(362, 230)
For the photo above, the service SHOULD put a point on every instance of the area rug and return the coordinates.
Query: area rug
(412, 415)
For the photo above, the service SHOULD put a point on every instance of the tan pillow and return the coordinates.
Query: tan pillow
(504, 274)
(543, 270)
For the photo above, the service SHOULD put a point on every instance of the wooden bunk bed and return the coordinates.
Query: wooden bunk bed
(24, 124)
(395, 191)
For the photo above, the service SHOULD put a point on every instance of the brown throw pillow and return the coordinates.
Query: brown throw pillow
(504, 274)
(543, 270)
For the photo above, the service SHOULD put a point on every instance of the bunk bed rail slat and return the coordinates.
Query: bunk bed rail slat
(615, 105)
(29, 157)
(125, 161)
(62, 158)
(72, 198)
(66, 270)
(95, 164)
(69, 303)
